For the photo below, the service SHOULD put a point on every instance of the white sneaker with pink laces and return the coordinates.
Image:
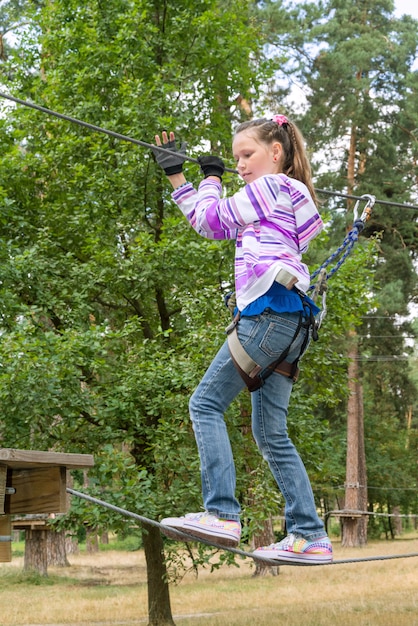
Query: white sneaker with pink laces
(295, 549)
(205, 526)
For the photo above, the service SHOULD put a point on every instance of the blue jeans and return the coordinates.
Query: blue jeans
(264, 337)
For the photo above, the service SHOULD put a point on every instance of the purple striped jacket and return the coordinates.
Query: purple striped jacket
(272, 219)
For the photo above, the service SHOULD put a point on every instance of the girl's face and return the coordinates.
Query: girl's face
(255, 158)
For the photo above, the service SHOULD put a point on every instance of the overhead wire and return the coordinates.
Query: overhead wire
(145, 144)
(347, 512)
(382, 202)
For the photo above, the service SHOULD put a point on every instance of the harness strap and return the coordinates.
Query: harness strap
(249, 370)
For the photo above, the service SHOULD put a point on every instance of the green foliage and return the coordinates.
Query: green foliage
(361, 117)
(111, 306)
(107, 295)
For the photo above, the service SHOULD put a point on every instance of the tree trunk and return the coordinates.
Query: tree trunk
(36, 551)
(264, 537)
(397, 521)
(56, 549)
(159, 608)
(351, 160)
(354, 528)
(71, 545)
(104, 538)
(92, 540)
(362, 491)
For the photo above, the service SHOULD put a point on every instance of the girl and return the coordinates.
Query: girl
(273, 219)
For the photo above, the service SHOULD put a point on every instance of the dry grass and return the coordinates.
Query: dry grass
(109, 589)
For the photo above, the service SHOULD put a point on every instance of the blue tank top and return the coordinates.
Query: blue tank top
(280, 300)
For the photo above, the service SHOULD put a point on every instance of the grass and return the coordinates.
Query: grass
(109, 589)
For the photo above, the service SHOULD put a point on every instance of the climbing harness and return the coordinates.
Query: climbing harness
(182, 536)
(252, 373)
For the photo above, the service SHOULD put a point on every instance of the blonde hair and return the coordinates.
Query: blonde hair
(295, 160)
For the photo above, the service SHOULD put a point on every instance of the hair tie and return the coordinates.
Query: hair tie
(280, 119)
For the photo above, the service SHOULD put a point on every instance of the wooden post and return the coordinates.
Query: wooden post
(3, 482)
(5, 539)
(5, 524)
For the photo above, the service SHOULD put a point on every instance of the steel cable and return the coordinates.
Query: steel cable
(144, 144)
(186, 537)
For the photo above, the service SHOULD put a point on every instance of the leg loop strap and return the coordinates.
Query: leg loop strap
(249, 370)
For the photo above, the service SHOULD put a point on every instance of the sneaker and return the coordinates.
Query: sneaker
(205, 526)
(295, 549)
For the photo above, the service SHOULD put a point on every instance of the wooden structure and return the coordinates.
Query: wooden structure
(33, 482)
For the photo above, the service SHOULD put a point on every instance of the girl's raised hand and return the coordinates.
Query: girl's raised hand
(165, 138)
(167, 155)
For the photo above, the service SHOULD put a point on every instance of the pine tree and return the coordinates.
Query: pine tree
(360, 117)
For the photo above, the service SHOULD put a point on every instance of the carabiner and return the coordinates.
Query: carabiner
(367, 211)
(321, 290)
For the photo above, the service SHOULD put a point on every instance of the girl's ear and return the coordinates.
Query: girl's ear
(277, 151)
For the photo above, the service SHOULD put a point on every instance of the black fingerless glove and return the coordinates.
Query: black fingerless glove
(211, 166)
(171, 163)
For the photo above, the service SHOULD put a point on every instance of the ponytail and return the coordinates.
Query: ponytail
(295, 159)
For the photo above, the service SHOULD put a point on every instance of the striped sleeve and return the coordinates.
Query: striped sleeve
(202, 210)
(308, 221)
(275, 198)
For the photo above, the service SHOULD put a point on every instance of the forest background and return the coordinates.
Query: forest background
(111, 306)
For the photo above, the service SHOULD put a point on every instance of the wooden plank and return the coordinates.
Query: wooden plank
(38, 490)
(36, 458)
(29, 523)
(5, 539)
